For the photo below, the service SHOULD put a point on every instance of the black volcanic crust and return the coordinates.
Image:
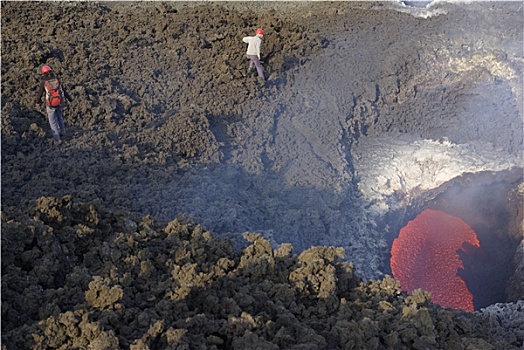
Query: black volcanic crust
(162, 88)
(90, 255)
(74, 275)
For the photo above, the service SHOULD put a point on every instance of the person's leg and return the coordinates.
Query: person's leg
(60, 119)
(250, 61)
(260, 71)
(53, 122)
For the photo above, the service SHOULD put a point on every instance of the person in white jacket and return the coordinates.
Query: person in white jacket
(253, 51)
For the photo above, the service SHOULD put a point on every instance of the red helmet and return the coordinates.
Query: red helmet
(46, 69)
(260, 31)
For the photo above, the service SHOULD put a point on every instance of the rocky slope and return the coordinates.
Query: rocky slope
(75, 276)
(168, 123)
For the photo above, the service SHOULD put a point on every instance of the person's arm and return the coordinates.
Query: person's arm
(257, 47)
(39, 92)
(246, 39)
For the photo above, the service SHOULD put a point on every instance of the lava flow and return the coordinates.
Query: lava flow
(425, 256)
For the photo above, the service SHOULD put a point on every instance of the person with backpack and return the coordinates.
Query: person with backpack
(55, 95)
(253, 51)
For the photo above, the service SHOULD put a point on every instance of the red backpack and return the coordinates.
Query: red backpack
(54, 92)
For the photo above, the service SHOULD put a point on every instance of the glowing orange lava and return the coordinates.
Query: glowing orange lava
(425, 256)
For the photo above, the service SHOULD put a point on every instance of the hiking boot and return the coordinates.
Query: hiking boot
(57, 141)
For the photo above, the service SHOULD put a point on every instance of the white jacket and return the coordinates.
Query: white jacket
(254, 45)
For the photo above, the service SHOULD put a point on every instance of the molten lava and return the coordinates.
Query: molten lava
(425, 256)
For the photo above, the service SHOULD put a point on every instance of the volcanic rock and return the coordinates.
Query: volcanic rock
(191, 206)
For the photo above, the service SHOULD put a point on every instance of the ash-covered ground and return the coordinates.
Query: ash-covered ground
(368, 108)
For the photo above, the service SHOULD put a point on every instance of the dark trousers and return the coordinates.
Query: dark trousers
(255, 61)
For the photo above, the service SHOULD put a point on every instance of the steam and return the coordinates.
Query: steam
(393, 170)
(421, 9)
